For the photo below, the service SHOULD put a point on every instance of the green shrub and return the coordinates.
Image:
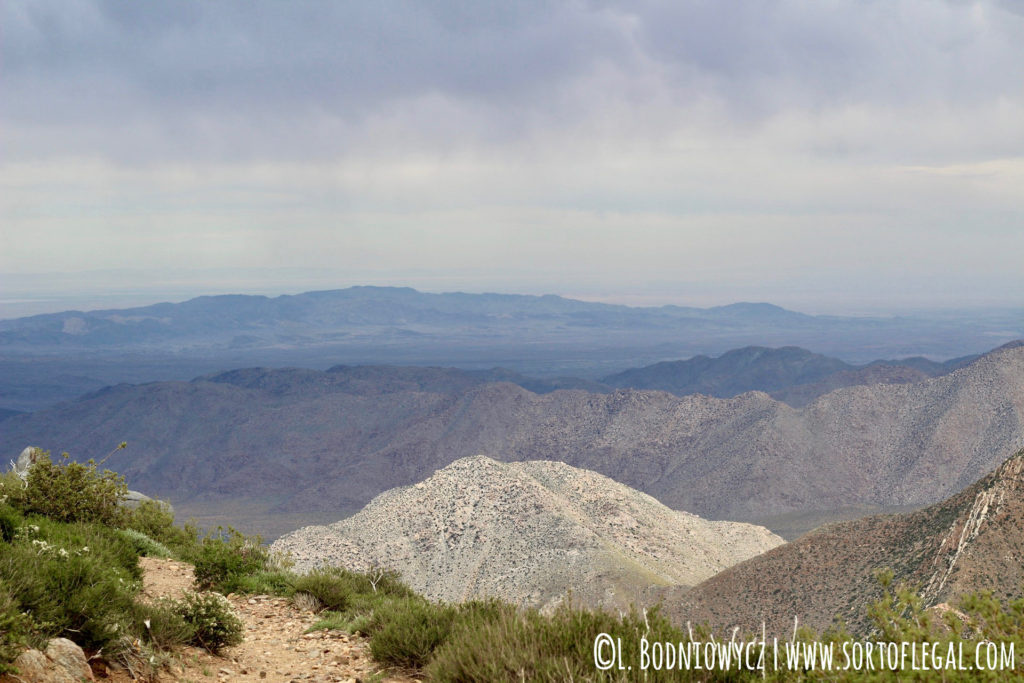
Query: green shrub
(74, 492)
(12, 490)
(10, 521)
(337, 589)
(75, 580)
(78, 596)
(406, 631)
(145, 546)
(496, 642)
(263, 582)
(212, 619)
(157, 521)
(332, 589)
(14, 626)
(163, 625)
(223, 556)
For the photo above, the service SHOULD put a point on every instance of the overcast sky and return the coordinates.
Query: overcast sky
(827, 156)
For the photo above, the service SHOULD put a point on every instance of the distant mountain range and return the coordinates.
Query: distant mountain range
(529, 533)
(390, 316)
(325, 442)
(972, 541)
(48, 358)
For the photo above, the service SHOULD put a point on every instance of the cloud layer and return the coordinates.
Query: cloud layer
(782, 147)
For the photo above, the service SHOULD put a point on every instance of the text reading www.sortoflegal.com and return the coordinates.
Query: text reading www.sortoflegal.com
(772, 655)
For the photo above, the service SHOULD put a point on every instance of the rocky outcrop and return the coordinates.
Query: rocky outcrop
(527, 532)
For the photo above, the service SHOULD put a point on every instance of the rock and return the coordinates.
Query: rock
(134, 499)
(63, 662)
(32, 665)
(68, 656)
(28, 457)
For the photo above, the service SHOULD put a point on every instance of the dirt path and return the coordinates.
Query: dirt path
(276, 649)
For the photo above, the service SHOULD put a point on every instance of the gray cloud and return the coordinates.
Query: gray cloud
(278, 80)
(644, 138)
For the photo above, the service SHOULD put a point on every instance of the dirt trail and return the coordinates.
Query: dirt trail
(276, 648)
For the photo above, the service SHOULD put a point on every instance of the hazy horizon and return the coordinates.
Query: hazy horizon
(40, 293)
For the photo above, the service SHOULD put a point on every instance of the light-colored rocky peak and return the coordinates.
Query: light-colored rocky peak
(528, 532)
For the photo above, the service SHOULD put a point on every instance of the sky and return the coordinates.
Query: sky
(835, 156)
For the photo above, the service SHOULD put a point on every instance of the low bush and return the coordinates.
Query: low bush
(163, 625)
(337, 589)
(75, 580)
(74, 492)
(12, 490)
(14, 627)
(267, 582)
(212, 619)
(145, 546)
(496, 642)
(10, 521)
(223, 556)
(405, 631)
(155, 519)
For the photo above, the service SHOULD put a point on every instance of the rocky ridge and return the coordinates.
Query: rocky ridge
(527, 532)
(969, 542)
(305, 441)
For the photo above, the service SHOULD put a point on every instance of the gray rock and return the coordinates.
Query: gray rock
(28, 457)
(63, 662)
(134, 499)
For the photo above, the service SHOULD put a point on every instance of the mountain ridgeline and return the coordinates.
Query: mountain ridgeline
(317, 443)
(790, 374)
(48, 358)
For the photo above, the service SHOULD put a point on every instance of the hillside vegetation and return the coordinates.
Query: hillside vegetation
(73, 571)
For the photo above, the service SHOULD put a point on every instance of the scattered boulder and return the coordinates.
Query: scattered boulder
(63, 662)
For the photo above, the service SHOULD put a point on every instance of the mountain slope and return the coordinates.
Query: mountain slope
(790, 374)
(971, 541)
(527, 532)
(750, 368)
(305, 441)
